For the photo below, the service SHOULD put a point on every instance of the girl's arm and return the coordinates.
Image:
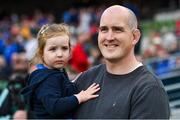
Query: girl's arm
(51, 94)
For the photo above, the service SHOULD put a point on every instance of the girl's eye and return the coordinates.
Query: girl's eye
(65, 48)
(52, 49)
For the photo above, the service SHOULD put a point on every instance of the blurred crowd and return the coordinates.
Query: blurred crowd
(160, 43)
(161, 48)
(18, 44)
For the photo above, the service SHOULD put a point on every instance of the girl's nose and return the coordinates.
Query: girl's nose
(59, 54)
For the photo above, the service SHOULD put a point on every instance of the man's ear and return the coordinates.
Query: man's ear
(136, 36)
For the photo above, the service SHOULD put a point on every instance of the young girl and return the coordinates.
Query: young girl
(49, 93)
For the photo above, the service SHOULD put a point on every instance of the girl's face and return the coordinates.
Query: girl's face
(56, 52)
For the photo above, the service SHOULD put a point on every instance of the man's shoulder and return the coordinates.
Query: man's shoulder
(147, 79)
(89, 76)
(96, 68)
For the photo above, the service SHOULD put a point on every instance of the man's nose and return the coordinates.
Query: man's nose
(110, 35)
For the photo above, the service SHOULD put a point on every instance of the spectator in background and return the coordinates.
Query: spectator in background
(4, 70)
(30, 46)
(79, 60)
(95, 56)
(170, 42)
(20, 115)
(13, 44)
(84, 20)
(128, 89)
(15, 81)
(2, 44)
(151, 44)
(19, 62)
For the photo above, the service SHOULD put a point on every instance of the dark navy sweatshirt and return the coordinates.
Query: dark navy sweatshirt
(50, 94)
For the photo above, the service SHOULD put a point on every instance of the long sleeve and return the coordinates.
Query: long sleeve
(51, 94)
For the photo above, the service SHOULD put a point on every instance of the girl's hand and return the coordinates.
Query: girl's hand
(88, 94)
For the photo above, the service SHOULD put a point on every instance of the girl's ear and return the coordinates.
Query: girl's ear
(41, 57)
(70, 54)
(41, 54)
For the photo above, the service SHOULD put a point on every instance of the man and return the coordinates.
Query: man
(128, 89)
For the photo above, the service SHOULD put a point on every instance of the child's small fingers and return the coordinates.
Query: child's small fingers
(95, 90)
(92, 91)
(92, 85)
(96, 86)
(94, 96)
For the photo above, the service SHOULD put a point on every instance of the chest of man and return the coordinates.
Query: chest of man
(113, 102)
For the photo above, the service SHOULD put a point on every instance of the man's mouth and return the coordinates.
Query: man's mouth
(110, 45)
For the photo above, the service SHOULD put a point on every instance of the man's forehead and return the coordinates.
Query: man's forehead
(112, 27)
(114, 17)
(113, 21)
(116, 9)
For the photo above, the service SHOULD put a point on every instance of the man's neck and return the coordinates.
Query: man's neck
(123, 66)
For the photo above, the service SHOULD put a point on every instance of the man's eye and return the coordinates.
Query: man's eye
(103, 29)
(117, 29)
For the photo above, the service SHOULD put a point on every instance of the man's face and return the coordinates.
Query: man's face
(115, 37)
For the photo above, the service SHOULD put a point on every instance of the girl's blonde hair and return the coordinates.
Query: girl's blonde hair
(46, 32)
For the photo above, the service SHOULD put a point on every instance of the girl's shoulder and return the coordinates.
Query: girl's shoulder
(36, 67)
